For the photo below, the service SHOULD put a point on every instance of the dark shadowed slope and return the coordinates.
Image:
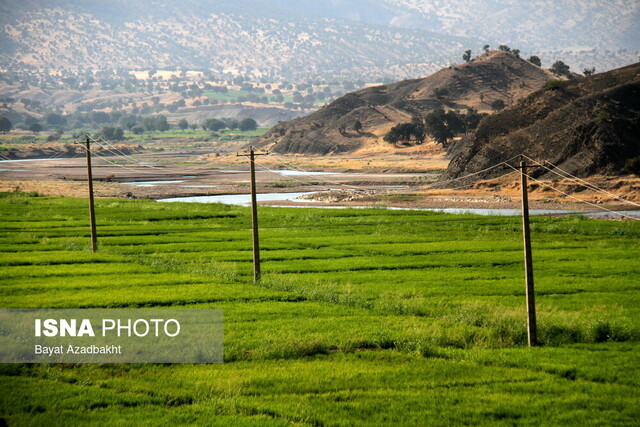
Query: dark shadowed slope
(588, 126)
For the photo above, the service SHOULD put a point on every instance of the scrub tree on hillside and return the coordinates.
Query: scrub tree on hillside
(535, 60)
(559, 68)
(5, 125)
(247, 124)
(497, 105)
(357, 126)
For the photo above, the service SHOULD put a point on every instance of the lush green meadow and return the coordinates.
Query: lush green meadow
(362, 317)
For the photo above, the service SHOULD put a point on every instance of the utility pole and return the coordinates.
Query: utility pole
(254, 212)
(532, 332)
(92, 212)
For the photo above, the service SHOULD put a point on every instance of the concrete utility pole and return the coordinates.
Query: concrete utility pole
(92, 212)
(254, 212)
(532, 332)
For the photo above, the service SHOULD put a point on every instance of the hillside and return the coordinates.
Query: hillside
(494, 75)
(588, 126)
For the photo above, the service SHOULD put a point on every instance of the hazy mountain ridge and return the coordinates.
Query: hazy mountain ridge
(223, 37)
(297, 39)
(541, 25)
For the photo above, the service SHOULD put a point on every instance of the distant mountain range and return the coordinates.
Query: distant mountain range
(302, 39)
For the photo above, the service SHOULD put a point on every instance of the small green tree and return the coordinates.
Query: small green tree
(247, 124)
(516, 52)
(161, 124)
(441, 92)
(485, 48)
(535, 60)
(35, 128)
(5, 125)
(111, 133)
(213, 125)
(55, 119)
(406, 132)
(589, 71)
(467, 55)
(435, 124)
(504, 48)
(149, 124)
(472, 119)
(357, 126)
(183, 124)
(559, 68)
(497, 105)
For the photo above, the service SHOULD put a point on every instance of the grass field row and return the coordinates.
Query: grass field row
(362, 316)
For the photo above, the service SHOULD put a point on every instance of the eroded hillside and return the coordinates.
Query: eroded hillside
(493, 76)
(588, 126)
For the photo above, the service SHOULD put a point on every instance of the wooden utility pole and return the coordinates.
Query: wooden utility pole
(254, 213)
(532, 333)
(92, 212)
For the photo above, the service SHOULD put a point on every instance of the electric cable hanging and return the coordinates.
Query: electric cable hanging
(285, 177)
(121, 166)
(567, 175)
(137, 163)
(576, 198)
(309, 183)
(123, 155)
(133, 159)
(433, 185)
(503, 163)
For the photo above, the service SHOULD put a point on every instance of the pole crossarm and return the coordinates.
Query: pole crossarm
(252, 152)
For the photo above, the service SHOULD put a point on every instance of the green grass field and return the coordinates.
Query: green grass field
(363, 316)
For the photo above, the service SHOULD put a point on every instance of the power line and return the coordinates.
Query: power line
(479, 172)
(578, 199)
(139, 163)
(122, 166)
(124, 155)
(582, 182)
(305, 183)
(317, 176)
(466, 185)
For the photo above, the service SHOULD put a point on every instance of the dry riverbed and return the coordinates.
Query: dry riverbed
(365, 179)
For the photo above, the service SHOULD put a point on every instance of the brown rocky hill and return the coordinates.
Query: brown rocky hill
(491, 76)
(586, 126)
